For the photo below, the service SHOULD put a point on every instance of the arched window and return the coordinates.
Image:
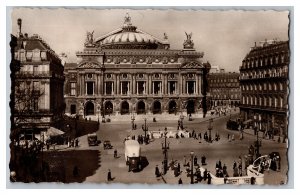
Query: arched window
(270, 102)
(255, 101)
(280, 86)
(275, 102)
(275, 86)
(282, 58)
(260, 101)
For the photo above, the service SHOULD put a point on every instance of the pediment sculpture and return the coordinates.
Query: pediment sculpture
(192, 64)
(89, 65)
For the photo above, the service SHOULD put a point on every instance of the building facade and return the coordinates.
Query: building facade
(264, 87)
(39, 101)
(224, 89)
(130, 71)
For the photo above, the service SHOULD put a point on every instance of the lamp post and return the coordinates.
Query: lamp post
(192, 167)
(256, 129)
(103, 88)
(165, 149)
(132, 119)
(210, 127)
(145, 127)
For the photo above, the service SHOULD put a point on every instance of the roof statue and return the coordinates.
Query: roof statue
(89, 42)
(127, 20)
(165, 36)
(188, 43)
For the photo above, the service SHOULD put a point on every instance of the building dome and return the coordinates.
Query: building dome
(129, 37)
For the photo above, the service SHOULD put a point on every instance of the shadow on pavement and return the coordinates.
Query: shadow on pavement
(71, 166)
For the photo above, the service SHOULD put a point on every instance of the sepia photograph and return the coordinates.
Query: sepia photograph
(180, 97)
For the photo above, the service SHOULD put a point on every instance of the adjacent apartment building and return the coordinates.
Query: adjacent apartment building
(264, 86)
(39, 101)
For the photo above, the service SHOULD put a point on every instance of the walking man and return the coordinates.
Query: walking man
(157, 174)
(109, 178)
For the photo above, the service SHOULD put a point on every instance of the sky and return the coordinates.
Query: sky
(225, 37)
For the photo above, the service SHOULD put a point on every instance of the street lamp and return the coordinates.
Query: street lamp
(132, 119)
(210, 127)
(165, 149)
(192, 167)
(145, 127)
(256, 130)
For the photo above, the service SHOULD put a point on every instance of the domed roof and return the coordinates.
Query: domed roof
(129, 37)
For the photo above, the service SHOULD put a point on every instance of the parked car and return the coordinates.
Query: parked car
(232, 125)
(183, 133)
(171, 134)
(107, 145)
(156, 134)
(93, 139)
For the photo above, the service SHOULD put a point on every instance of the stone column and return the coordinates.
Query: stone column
(134, 84)
(101, 84)
(165, 84)
(115, 87)
(104, 88)
(183, 85)
(118, 84)
(149, 84)
(78, 84)
(194, 87)
(197, 84)
(121, 88)
(200, 84)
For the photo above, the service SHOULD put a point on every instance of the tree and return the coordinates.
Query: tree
(26, 105)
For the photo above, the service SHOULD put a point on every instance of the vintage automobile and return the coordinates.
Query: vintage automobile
(155, 134)
(107, 145)
(183, 133)
(93, 139)
(171, 134)
(133, 155)
(232, 125)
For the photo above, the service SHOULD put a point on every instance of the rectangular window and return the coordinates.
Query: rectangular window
(35, 70)
(36, 86)
(172, 87)
(35, 104)
(73, 89)
(90, 88)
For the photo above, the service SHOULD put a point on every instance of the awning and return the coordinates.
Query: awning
(247, 121)
(52, 131)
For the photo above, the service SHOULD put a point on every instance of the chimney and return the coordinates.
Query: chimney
(20, 27)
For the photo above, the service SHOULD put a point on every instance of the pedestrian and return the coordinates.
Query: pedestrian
(220, 164)
(157, 174)
(115, 153)
(200, 137)
(203, 159)
(75, 171)
(195, 160)
(232, 138)
(76, 142)
(225, 170)
(198, 175)
(205, 175)
(109, 178)
(240, 166)
(178, 167)
(184, 160)
(180, 181)
(208, 178)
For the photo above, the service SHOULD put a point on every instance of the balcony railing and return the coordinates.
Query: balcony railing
(270, 108)
(35, 73)
(263, 76)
